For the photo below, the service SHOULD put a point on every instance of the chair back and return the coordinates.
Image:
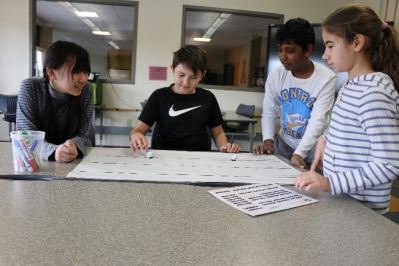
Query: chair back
(92, 135)
(246, 110)
(8, 106)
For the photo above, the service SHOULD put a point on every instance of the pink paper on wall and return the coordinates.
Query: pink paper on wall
(157, 73)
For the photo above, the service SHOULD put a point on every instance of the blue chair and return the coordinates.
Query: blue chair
(244, 110)
(8, 106)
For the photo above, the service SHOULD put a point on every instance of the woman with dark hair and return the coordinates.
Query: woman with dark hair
(60, 103)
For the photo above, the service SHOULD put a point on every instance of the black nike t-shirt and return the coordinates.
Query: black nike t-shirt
(182, 120)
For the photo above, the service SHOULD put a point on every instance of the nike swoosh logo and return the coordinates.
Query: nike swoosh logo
(174, 113)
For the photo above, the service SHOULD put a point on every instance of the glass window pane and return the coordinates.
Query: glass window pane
(236, 43)
(107, 32)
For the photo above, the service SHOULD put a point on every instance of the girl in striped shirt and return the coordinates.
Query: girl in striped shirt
(360, 151)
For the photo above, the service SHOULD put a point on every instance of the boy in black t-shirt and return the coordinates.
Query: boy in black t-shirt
(183, 112)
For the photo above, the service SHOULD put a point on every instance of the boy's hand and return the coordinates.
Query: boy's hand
(266, 148)
(298, 161)
(230, 148)
(138, 142)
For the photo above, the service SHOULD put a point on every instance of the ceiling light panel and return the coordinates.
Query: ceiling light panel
(86, 14)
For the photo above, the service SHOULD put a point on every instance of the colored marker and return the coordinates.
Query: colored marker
(25, 161)
(30, 154)
(26, 156)
(20, 164)
(33, 145)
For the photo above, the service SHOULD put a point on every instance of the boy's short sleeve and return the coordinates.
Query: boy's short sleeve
(149, 114)
(215, 116)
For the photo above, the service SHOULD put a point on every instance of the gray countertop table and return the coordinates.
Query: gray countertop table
(64, 222)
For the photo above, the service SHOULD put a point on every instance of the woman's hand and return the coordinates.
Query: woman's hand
(66, 152)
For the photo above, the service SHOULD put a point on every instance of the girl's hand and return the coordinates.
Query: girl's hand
(312, 181)
(318, 155)
(230, 148)
(138, 142)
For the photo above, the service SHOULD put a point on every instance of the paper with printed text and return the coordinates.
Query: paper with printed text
(257, 199)
(124, 164)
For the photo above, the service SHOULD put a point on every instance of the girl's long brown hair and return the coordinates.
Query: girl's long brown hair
(382, 41)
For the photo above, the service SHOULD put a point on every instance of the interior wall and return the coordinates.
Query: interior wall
(14, 50)
(155, 45)
(389, 10)
(14, 45)
(159, 34)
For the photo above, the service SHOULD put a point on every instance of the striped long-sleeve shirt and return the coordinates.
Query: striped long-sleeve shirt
(31, 95)
(361, 157)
